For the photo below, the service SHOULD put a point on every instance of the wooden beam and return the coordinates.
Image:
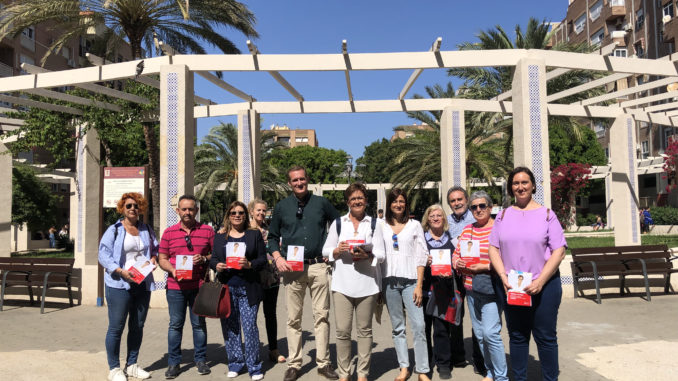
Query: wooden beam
(435, 48)
(40, 105)
(629, 91)
(73, 99)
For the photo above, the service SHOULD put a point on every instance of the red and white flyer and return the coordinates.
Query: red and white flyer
(184, 267)
(517, 296)
(295, 257)
(141, 269)
(469, 251)
(235, 251)
(441, 262)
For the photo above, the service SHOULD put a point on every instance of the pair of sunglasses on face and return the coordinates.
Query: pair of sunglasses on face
(477, 207)
(130, 206)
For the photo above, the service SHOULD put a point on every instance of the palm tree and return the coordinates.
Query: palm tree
(419, 160)
(488, 82)
(216, 163)
(138, 22)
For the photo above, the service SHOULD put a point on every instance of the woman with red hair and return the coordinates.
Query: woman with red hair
(125, 243)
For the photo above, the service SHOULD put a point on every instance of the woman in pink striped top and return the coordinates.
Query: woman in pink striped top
(471, 258)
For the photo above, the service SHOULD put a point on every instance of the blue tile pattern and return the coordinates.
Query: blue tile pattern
(246, 177)
(534, 99)
(457, 161)
(633, 178)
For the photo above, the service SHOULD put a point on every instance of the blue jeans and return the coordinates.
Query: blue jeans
(486, 320)
(539, 320)
(399, 292)
(121, 304)
(177, 301)
(242, 316)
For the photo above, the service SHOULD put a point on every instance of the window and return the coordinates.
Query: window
(301, 139)
(668, 136)
(597, 37)
(619, 52)
(66, 52)
(599, 129)
(617, 3)
(579, 24)
(25, 59)
(640, 18)
(29, 33)
(667, 10)
(607, 152)
(645, 149)
(594, 11)
(640, 52)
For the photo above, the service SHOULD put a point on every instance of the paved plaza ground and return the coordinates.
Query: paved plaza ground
(622, 339)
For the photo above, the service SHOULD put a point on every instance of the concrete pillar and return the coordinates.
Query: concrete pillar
(177, 137)
(249, 156)
(624, 179)
(608, 201)
(5, 199)
(86, 203)
(530, 125)
(381, 198)
(452, 151)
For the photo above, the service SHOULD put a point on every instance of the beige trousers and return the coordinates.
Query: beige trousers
(344, 306)
(316, 278)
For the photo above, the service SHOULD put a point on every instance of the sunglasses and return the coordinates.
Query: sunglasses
(395, 241)
(237, 213)
(300, 210)
(130, 206)
(478, 206)
(189, 244)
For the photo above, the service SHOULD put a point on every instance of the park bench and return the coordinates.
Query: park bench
(45, 272)
(596, 262)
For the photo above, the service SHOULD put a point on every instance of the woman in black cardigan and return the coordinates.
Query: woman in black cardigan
(239, 255)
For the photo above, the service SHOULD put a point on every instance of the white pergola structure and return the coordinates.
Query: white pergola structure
(528, 102)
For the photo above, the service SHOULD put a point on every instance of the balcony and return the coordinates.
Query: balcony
(670, 30)
(614, 10)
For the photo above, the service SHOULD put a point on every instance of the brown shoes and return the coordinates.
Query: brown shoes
(403, 376)
(291, 374)
(328, 372)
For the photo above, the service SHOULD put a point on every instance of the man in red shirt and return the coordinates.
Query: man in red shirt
(193, 239)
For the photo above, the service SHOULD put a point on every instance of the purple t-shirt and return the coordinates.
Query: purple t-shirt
(526, 238)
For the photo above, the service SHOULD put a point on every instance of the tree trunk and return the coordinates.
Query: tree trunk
(154, 165)
(572, 218)
(107, 153)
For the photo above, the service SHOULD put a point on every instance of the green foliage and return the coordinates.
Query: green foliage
(664, 215)
(586, 219)
(372, 166)
(563, 149)
(32, 200)
(323, 165)
(138, 22)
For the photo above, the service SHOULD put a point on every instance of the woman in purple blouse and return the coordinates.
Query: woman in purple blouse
(527, 237)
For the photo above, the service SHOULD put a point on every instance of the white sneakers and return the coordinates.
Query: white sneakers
(116, 374)
(257, 377)
(136, 371)
(232, 374)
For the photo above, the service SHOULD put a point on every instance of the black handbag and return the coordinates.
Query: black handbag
(213, 299)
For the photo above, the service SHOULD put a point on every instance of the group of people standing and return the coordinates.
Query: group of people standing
(362, 263)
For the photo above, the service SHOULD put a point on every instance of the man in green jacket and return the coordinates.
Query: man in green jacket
(301, 221)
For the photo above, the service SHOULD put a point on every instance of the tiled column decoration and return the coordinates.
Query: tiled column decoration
(6, 199)
(624, 179)
(177, 134)
(530, 125)
(609, 224)
(452, 151)
(249, 156)
(86, 202)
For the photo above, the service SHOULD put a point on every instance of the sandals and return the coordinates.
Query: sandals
(407, 375)
(275, 356)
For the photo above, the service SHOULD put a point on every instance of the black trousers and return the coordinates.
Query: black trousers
(270, 302)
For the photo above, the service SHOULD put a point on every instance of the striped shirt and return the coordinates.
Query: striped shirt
(474, 234)
(174, 243)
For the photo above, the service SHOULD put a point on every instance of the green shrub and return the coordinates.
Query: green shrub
(586, 219)
(664, 215)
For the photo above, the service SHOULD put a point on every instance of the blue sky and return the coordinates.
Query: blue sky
(295, 26)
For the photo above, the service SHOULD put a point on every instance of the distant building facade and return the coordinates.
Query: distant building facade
(641, 29)
(294, 137)
(402, 132)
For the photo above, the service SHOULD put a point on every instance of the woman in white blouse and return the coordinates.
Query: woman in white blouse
(355, 280)
(402, 242)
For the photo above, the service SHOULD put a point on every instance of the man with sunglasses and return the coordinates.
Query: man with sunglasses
(457, 199)
(301, 220)
(188, 237)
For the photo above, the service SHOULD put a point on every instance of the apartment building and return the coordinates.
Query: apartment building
(294, 137)
(402, 132)
(641, 29)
